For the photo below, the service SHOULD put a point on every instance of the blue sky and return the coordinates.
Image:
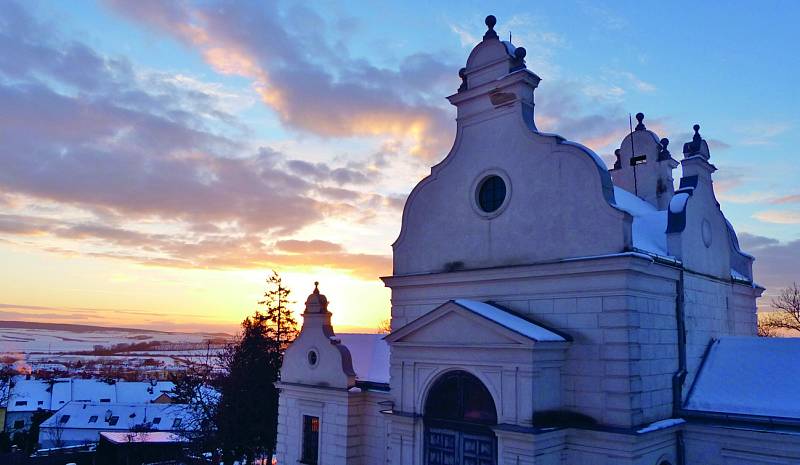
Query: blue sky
(228, 138)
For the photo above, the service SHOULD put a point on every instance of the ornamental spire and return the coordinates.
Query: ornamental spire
(490, 23)
(316, 302)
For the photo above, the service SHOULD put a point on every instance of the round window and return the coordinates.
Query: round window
(312, 358)
(491, 193)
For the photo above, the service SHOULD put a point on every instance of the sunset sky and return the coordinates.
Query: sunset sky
(157, 159)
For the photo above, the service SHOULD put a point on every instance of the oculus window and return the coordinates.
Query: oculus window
(310, 451)
(491, 193)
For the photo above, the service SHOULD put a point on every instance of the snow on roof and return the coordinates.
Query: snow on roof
(97, 415)
(142, 392)
(93, 390)
(29, 395)
(509, 320)
(158, 437)
(661, 424)
(749, 376)
(649, 223)
(370, 355)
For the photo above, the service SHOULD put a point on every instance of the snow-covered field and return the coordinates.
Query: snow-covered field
(47, 341)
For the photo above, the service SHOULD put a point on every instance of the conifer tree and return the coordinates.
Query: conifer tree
(248, 409)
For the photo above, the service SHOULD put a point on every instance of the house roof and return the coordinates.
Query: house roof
(26, 394)
(96, 415)
(370, 356)
(749, 376)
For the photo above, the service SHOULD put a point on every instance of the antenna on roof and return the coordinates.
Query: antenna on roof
(633, 163)
(509, 36)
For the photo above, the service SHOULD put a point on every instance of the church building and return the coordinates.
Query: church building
(548, 310)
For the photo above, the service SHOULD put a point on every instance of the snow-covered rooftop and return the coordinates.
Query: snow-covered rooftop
(370, 354)
(28, 395)
(649, 224)
(749, 376)
(95, 415)
(509, 320)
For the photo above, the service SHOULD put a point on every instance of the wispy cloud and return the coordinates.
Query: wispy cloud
(310, 81)
(778, 216)
(776, 262)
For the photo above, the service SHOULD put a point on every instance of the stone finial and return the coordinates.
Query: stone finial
(490, 23)
(663, 153)
(618, 160)
(519, 59)
(316, 302)
(697, 146)
(462, 73)
(640, 119)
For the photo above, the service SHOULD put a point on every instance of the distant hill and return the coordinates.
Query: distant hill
(87, 328)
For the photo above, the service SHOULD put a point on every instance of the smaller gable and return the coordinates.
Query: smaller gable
(466, 312)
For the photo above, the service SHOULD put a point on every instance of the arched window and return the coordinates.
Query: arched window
(458, 412)
(460, 397)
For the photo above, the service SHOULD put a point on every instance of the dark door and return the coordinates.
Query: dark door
(459, 413)
(449, 447)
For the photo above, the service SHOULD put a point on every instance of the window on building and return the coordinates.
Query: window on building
(491, 193)
(113, 420)
(106, 399)
(41, 402)
(93, 419)
(21, 402)
(310, 452)
(63, 419)
(176, 422)
(19, 424)
(156, 420)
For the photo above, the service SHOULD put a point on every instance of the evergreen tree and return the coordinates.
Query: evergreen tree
(280, 323)
(248, 410)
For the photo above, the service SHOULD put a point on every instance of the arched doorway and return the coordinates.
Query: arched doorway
(458, 414)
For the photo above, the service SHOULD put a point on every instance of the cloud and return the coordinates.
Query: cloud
(778, 216)
(103, 160)
(776, 262)
(321, 172)
(795, 198)
(296, 246)
(467, 38)
(311, 82)
(223, 250)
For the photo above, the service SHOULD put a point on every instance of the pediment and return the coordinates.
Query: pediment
(453, 324)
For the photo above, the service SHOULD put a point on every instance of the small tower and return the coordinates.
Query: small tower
(317, 357)
(696, 157)
(644, 166)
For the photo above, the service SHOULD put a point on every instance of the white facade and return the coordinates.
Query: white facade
(635, 277)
